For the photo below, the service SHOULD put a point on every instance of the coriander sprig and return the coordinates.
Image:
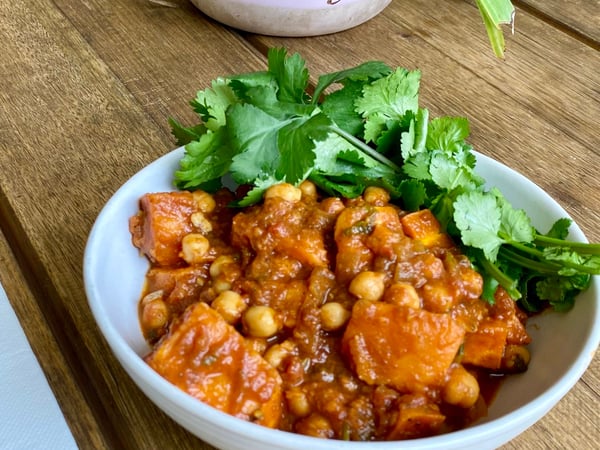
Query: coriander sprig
(363, 126)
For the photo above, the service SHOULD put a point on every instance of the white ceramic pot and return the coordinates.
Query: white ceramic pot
(291, 17)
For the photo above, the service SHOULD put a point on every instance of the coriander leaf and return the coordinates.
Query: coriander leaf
(296, 142)
(414, 139)
(417, 167)
(184, 135)
(255, 194)
(413, 194)
(254, 133)
(560, 291)
(515, 223)
(337, 157)
(291, 75)
(339, 106)
(389, 140)
(211, 103)
(447, 173)
(442, 206)
(478, 218)
(327, 152)
(447, 133)
(204, 160)
(572, 261)
(347, 187)
(370, 70)
(265, 97)
(560, 228)
(388, 98)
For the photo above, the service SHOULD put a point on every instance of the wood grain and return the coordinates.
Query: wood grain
(86, 89)
(580, 17)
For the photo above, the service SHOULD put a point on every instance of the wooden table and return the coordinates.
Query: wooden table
(85, 92)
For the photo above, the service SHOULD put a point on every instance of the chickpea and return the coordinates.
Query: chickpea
(433, 267)
(194, 247)
(334, 316)
(221, 285)
(368, 285)
(156, 295)
(204, 201)
(309, 190)
(230, 305)
(284, 191)
(297, 402)
(402, 294)
(332, 205)
(277, 353)
(376, 196)
(217, 266)
(462, 388)
(437, 297)
(515, 359)
(472, 283)
(200, 221)
(315, 425)
(155, 312)
(261, 321)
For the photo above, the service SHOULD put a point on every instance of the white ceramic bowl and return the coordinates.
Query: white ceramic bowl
(291, 17)
(563, 344)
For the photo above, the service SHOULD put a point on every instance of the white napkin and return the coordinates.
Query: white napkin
(30, 417)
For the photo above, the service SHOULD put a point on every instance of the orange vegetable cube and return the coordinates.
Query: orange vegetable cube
(416, 418)
(424, 226)
(158, 228)
(207, 358)
(410, 350)
(485, 347)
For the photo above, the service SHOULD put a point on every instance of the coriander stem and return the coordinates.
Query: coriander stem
(559, 264)
(365, 148)
(581, 247)
(538, 266)
(504, 280)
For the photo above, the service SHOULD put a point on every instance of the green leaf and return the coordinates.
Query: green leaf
(447, 133)
(515, 223)
(291, 75)
(417, 167)
(204, 160)
(339, 106)
(413, 194)
(388, 98)
(478, 218)
(296, 142)
(212, 103)
(254, 133)
(184, 135)
(414, 139)
(560, 228)
(255, 194)
(366, 72)
(449, 174)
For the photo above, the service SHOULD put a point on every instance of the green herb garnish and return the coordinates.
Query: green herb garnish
(496, 13)
(265, 127)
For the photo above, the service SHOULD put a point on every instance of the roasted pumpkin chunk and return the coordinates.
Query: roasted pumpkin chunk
(408, 349)
(163, 220)
(207, 358)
